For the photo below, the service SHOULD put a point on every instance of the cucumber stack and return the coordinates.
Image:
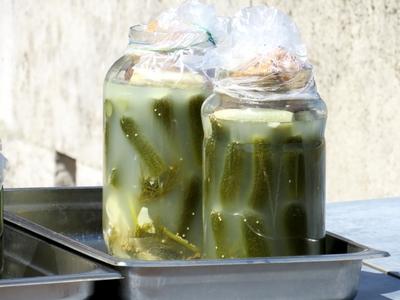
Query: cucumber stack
(263, 183)
(152, 191)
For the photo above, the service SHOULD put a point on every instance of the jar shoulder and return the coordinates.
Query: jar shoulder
(120, 69)
(217, 101)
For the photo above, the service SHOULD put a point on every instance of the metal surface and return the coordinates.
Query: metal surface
(73, 217)
(35, 269)
(374, 222)
(375, 285)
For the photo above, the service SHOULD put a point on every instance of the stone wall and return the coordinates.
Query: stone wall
(54, 56)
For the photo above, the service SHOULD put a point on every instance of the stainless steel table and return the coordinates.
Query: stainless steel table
(375, 223)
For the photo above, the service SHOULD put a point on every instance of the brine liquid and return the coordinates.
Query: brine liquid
(264, 185)
(152, 178)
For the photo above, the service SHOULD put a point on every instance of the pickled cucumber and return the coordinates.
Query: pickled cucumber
(162, 110)
(295, 225)
(209, 166)
(191, 201)
(255, 235)
(292, 170)
(232, 174)
(219, 233)
(195, 125)
(150, 157)
(261, 195)
(295, 220)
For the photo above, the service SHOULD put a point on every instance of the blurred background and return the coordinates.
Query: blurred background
(54, 56)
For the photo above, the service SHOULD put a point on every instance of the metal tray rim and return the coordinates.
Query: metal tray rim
(101, 272)
(367, 253)
(59, 279)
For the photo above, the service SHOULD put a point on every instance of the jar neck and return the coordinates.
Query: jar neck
(167, 42)
(254, 95)
(301, 103)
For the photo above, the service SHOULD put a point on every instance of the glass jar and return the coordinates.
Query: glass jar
(264, 176)
(3, 164)
(152, 147)
(1, 225)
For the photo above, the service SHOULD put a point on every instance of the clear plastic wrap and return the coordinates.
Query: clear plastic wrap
(178, 40)
(264, 148)
(263, 56)
(192, 16)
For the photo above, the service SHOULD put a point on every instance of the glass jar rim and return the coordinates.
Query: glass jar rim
(140, 36)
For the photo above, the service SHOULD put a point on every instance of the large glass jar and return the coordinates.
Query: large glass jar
(264, 176)
(3, 163)
(152, 148)
(1, 225)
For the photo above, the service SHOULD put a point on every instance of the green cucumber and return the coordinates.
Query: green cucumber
(261, 195)
(162, 110)
(196, 127)
(192, 199)
(232, 174)
(218, 227)
(292, 183)
(295, 220)
(255, 235)
(149, 156)
(209, 166)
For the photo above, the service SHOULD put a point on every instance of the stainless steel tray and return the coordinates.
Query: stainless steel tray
(72, 217)
(35, 269)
